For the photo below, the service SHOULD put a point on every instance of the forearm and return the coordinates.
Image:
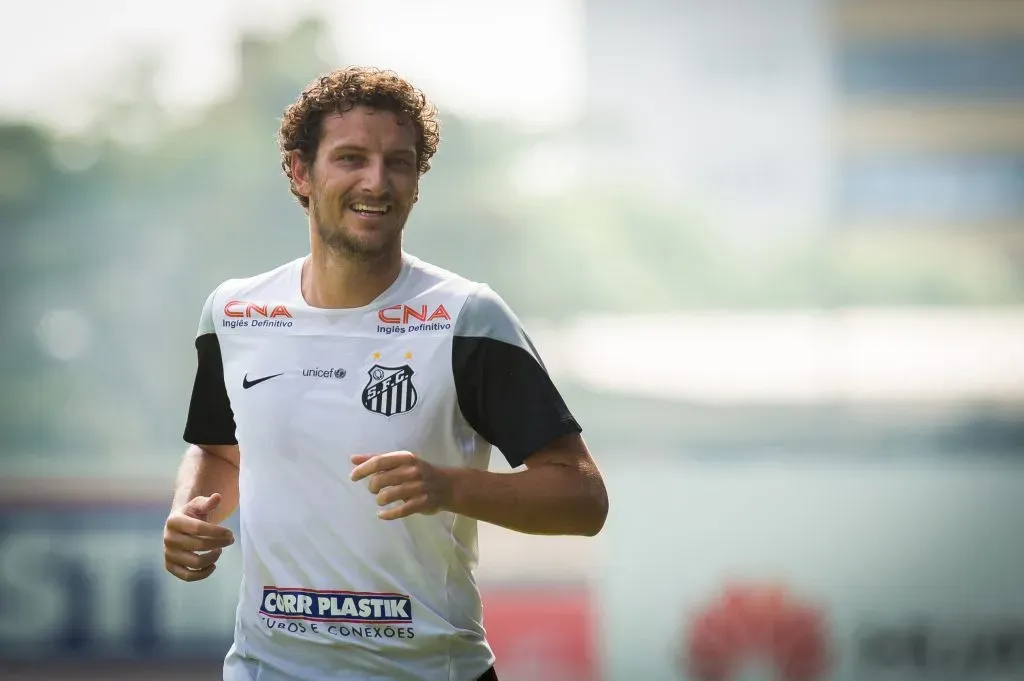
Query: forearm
(551, 500)
(203, 474)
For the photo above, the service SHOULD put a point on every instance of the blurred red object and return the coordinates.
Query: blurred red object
(762, 620)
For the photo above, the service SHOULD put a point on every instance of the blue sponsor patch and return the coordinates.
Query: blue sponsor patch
(336, 606)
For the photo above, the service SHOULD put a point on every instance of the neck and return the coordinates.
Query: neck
(336, 280)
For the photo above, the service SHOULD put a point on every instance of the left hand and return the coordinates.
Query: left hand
(403, 476)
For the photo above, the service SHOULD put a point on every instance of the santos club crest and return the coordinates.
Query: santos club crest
(390, 390)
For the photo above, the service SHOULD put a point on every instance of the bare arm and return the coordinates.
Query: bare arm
(206, 488)
(206, 494)
(206, 470)
(561, 493)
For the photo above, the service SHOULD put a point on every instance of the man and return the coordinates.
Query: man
(347, 403)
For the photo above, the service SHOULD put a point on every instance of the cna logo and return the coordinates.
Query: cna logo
(406, 318)
(404, 314)
(243, 314)
(761, 624)
(241, 308)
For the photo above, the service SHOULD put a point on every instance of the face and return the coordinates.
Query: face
(362, 183)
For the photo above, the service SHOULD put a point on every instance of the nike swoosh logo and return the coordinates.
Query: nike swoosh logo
(246, 383)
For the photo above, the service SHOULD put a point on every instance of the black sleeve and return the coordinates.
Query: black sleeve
(210, 419)
(503, 387)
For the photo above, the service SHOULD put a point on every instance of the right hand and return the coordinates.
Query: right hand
(192, 545)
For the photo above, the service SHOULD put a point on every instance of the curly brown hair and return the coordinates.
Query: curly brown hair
(341, 90)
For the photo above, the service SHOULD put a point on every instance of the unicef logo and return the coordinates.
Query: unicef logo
(325, 373)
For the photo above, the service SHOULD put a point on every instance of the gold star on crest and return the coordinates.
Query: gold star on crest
(408, 355)
(376, 355)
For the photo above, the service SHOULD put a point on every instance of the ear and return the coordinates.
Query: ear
(302, 176)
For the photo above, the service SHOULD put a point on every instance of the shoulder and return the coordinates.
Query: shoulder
(231, 297)
(432, 284)
(486, 314)
(479, 307)
(275, 283)
(430, 276)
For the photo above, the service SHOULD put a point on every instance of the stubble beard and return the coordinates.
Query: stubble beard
(341, 243)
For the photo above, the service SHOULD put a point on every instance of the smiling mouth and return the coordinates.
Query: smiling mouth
(370, 211)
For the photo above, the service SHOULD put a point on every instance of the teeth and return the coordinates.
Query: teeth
(363, 208)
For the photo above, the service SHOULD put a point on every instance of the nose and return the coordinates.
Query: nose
(375, 177)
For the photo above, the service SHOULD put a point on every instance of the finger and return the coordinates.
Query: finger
(198, 528)
(186, 542)
(390, 495)
(417, 505)
(363, 458)
(376, 464)
(187, 575)
(363, 468)
(395, 476)
(200, 507)
(191, 559)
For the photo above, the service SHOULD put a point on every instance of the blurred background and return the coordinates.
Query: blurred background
(773, 251)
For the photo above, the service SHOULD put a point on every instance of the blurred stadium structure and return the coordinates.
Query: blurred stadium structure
(778, 265)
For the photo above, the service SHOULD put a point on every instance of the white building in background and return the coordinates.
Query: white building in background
(856, 114)
(723, 101)
(929, 125)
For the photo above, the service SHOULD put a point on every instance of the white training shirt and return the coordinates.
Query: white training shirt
(436, 365)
